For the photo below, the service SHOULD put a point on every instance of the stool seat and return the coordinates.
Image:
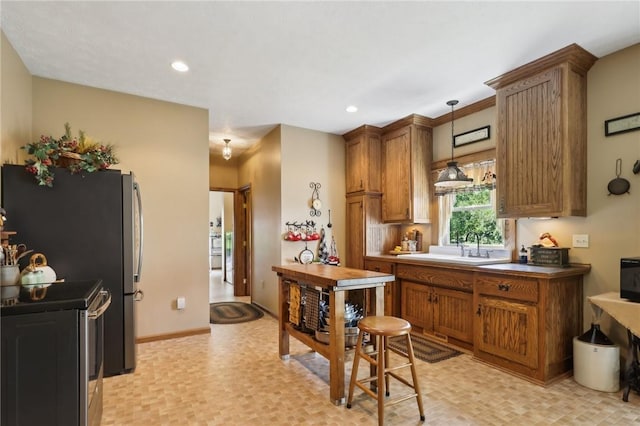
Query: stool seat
(384, 326)
(381, 328)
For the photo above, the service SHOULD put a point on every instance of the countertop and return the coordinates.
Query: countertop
(502, 268)
(59, 296)
(333, 276)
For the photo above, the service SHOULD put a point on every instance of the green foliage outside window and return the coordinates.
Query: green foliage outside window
(473, 213)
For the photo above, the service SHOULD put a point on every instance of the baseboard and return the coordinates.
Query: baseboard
(184, 333)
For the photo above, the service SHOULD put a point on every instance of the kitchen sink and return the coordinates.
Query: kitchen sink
(455, 259)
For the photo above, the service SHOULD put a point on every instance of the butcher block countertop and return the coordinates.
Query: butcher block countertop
(333, 276)
(516, 269)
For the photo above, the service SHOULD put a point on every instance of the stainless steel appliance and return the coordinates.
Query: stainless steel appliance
(89, 226)
(52, 355)
(630, 278)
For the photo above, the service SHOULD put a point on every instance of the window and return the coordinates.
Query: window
(470, 211)
(473, 214)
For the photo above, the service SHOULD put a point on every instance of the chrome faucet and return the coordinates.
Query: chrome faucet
(477, 253)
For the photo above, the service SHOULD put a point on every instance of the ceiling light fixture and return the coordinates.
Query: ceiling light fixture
(452, 176)
(226, 151)
(180, 66)
(352, 108)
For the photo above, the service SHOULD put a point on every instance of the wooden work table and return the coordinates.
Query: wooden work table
(334, 281)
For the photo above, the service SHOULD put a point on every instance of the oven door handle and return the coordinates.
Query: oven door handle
(105, 295)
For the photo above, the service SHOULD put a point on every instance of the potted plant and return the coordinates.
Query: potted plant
(75, 154)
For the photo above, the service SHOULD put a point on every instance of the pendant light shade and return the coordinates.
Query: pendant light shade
(452, 176)
(226, 151)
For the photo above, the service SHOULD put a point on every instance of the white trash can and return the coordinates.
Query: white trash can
(596, 361)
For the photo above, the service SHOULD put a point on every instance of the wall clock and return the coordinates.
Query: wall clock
(316, 204)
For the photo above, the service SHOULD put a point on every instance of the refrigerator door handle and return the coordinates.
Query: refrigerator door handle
(138, 274)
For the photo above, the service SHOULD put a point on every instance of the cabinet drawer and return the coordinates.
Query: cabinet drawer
(438, 276)
(516, 288)
(378, 266)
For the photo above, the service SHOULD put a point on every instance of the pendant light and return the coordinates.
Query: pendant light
(226, 151)
(452, 176)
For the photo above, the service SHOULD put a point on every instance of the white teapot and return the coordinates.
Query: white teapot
(37, 272)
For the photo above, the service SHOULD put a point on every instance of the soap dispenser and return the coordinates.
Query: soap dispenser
(523, 255)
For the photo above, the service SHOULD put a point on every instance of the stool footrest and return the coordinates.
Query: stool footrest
(400, 399)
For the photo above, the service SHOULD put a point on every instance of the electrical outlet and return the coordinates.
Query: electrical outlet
(181, 302)
(581, 240)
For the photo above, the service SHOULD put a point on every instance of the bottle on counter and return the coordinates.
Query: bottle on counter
(523, 255)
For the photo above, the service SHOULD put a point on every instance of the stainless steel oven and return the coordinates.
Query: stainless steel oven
(92, 358)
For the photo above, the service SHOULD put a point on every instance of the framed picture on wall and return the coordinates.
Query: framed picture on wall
(475, 135)
(626, 123)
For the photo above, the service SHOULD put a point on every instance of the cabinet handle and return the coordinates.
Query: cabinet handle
(504, 287)
(429, 298)
(361, 184)
(377, 269)
(435, 298)
(407, 213)
(479, 311)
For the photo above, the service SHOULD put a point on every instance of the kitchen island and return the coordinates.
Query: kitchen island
(334, 281)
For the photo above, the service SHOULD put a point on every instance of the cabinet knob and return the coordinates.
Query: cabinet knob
(479, 311)
(504, 287)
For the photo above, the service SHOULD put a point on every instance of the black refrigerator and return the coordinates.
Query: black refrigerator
(88, 226)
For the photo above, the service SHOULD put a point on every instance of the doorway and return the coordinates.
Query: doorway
(221, 259)
(230, 267)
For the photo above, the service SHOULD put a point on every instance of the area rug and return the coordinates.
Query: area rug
(233, 312)
(423, 349)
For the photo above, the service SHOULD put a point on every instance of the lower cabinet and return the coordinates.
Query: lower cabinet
(439, 301)
(526, 325)
(40, 369)
(508, 329)
(391, 293)
(441, 312)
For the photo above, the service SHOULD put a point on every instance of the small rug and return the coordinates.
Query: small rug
(233, 312)
(423, 349)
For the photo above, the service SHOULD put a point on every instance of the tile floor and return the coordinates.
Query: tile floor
(235, 377)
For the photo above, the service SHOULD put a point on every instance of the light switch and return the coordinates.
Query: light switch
(581, 240)
(180, 302)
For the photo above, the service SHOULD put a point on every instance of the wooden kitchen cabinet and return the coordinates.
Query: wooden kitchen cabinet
(439, 301)
(526, 325)
(363, 160)
(406, 167)
(541, 144)
(365, 232)
(391, 293)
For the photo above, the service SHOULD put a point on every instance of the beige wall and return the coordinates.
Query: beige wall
(279, 170)
(173, 177)
(166, 145)
(223, 173)
(442, 134)
(15, 104)
(260, 168)
(311, 156)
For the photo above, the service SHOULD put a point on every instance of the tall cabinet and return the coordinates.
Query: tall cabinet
(365, 230)
(541, 141)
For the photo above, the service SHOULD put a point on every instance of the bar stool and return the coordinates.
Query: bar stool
(383, 327)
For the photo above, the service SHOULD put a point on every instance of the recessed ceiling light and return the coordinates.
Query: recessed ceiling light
(179, 66)
(352, 108)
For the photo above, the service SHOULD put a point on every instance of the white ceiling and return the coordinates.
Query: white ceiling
(256, 64)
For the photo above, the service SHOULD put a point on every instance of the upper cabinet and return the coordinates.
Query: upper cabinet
(541, 144)
(363, 159)
(406, 170)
